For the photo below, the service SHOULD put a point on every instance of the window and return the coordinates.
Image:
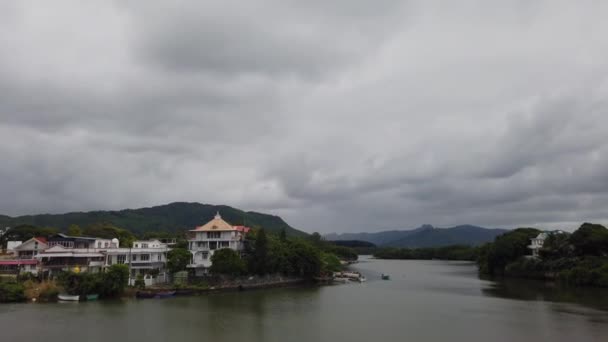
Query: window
(134, 257)
(121, 259)
(205, 255)
(107, 244)
(145, 257)
(224, 244)
(144, 245)
(98, 244)
(160, 257)
(214, 235)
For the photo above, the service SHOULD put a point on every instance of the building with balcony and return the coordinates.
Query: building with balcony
(75, 253)
(216, 234)
(145, 258)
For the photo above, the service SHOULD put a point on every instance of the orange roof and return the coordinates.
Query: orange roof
(216, 225)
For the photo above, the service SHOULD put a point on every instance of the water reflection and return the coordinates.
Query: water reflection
(534, 290)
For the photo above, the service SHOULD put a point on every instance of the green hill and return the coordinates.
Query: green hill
(425, 236)
(171, 217)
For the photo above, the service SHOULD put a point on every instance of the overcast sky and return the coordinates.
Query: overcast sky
(339, 116)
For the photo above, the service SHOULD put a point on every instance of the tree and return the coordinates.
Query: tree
(114, 280)
(178, 259)
(590, 239)
(109, 231)
(506, 248)
(260, 253)
(316, 239)
(305, 258)
(283, 235)
(74, 230)
(226, 261)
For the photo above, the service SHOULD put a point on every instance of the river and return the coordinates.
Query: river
(423, 301)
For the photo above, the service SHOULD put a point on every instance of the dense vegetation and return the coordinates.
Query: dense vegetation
(172, 218)
(110, 283)
(276, 254)
(11, 291)
(456, 252)
(580, 258)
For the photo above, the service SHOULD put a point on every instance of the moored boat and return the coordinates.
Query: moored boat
(385, 277)
(92, 297)
(165, 294)
(68, 298)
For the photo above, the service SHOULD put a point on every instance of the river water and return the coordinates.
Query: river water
(423, 301)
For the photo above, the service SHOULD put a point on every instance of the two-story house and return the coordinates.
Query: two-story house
(75, 253)
(145, 258)
(206, 239)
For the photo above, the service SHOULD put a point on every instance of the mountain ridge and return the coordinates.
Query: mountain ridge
(171, 217)
(425, 236)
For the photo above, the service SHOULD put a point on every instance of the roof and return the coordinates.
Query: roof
(69, 254)
(18, 262)
(217, 225)
(243, 229)
(39, 239)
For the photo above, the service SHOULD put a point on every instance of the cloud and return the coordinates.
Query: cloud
(342, 116)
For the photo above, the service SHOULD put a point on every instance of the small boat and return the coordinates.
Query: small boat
(92, 297)
(68, 298)
(341, 279)
(385, 277)
(165, 294)
(355, 276)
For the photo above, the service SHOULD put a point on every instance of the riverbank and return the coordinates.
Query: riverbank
(203, 285)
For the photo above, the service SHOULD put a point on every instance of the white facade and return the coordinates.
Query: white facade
(214, 235)
(148, 258)
(537, 243)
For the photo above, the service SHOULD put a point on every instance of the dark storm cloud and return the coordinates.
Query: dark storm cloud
(341, 116)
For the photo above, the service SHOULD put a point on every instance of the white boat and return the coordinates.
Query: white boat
(68, 298)
(356, 276)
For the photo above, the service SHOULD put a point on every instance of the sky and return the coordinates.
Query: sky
(341, 116)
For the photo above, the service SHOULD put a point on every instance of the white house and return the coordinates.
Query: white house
(215, 234)
(24, 256)
(75, 253)
(537, 243)
(148, 258)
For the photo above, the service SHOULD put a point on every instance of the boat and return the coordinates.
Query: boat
(92, 297)
(341, 279)
(385, 277)
(355, 276)
(165, 294)
(68, 298)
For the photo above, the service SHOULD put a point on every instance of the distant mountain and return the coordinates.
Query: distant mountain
(425, 236)
(164, 218)
(379, 238)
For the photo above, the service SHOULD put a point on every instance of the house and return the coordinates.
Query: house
(17, 266)
(24, 256)
(537, 243)
(75, 253)
(30, 248)
(10, 246)
(146, 257)
(206, 239)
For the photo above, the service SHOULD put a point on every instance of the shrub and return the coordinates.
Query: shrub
(11, 292)
(139, 282)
